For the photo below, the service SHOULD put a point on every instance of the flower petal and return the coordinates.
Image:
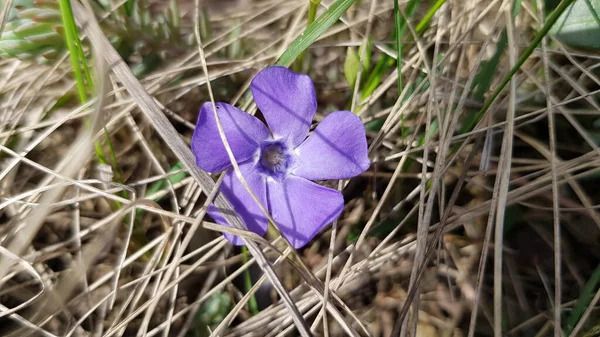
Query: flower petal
(287, 100)
(337, 149)
(244, 133)
(242, 202)
(302, 208)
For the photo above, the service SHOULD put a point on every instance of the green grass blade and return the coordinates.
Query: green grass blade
(411, 8)
(584, 299)
(128, 6)
(85, 84)
(83, 62)
(536, 41)
(381, 67)
(72, 38)
(483, 79)
(398, 22)
(422, 25)
(400, 28)
(83, 78)
(385, 62)
(314, 30)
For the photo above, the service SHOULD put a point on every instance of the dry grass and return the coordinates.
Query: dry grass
(488, 232)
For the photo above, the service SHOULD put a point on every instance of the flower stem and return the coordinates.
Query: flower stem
(252, 304)
(312, 10)
(312, 14)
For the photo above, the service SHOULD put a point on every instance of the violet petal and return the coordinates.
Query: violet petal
(337, 149)
(287, 100)
(242, 202)
(302, 208)
(244, 133)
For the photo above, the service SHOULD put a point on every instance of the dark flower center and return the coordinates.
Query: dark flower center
(274, 159)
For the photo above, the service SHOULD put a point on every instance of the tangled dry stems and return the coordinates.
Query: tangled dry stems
(79, 257)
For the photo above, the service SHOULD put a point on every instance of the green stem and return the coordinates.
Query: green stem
(312, 10)
(312, 14)
(252, 304)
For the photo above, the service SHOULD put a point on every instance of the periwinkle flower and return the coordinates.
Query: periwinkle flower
(279, 164)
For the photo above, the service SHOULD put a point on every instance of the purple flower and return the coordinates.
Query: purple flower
(279, 164)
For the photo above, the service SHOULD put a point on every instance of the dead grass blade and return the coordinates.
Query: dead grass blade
(4, 14)
(504, 167)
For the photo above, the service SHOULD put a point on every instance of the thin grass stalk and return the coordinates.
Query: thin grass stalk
(503, 183)
(555, 191)
(425, 208)
(362, 56)
(330, 256)
(4, 14)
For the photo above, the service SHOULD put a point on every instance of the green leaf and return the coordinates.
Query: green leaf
(366, 61)
(351, 65)
(352, 62)
(579, 25)
(375, 125)
(314, 30)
